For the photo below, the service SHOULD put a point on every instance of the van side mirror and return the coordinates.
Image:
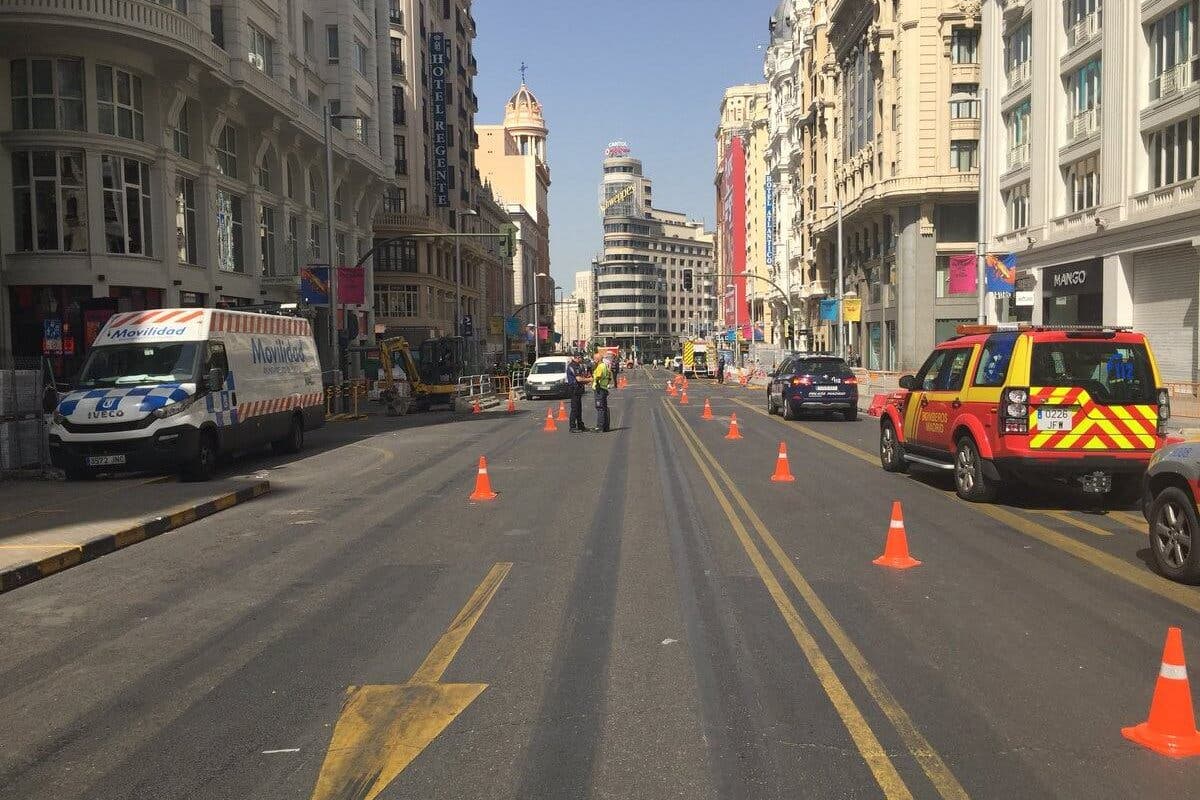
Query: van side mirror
(215, 379)
(908, 382)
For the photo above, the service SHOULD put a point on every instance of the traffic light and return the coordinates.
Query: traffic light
(508, 245)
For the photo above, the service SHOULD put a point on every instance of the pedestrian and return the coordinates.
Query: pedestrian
(575, 385)
(602, 381)
(721, 369)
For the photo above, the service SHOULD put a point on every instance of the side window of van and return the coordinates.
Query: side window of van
(215, 359)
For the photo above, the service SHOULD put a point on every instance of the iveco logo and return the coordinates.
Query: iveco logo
(105, 414)
(1070, 278)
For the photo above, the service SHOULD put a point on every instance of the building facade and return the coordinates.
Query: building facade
(651, 279)
(158, 155)
(512, 158)
(897, 134)
(426, 287)
(741, 182)
(1092, 177)
(585, 292)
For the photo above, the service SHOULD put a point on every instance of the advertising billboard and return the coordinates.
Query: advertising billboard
(733, 232)
(619, 199)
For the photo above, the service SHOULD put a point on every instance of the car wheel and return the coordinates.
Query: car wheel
(770, 404)
(891, 451)
(850, 414)
(293, 442)
(789, 413)
(969, 481)
(1174, 532)
(201, 467)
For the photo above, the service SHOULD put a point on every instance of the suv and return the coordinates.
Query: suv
(813, 382)
(1078, 405)
(1169, 504)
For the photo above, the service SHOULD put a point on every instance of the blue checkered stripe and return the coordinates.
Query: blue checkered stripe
(152, 398)
(222, 405)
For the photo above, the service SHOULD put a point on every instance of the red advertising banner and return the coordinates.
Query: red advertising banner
(964, 277)
(351, 288)
(733, 232)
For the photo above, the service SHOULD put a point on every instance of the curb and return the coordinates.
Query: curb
(106, 543)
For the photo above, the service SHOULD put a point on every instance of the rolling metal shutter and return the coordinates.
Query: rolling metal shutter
(1166, 293)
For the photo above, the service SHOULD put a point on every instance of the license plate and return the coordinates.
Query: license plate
(105, 461)
(827, 388)
(1055, 419)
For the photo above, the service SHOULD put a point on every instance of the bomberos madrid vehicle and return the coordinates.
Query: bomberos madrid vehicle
(172, 389)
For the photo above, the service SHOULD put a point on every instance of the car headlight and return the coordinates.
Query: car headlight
(172, 409)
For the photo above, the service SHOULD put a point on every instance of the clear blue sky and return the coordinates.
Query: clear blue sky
(650, 72)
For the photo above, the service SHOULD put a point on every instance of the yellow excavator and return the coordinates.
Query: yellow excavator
(433, 375)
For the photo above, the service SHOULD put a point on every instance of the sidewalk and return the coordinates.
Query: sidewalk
(49, 526)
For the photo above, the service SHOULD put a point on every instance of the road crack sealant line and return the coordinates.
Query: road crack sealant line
(103, 544)
(931, 763)
(1175, 592)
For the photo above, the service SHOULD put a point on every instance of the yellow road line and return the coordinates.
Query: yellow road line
(1063, 516)
(1134, 521)
(1175, 592)
(443, 652)
(868, 745)
(935, 768)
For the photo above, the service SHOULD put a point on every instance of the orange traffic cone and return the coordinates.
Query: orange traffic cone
(562, 411)
(734, 431)
(783, 471)
(671, 390)
(683, 401)
(483, 484)
(707, 410)
(1171, 728)
(895, 552)
(549, 426)
(512, 407)
(475, 407)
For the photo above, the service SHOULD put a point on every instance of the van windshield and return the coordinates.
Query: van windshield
(549, 368)
(140, 364)
(1112, 373)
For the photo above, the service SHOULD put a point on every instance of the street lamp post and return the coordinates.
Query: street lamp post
(737, 348)
(840, 279)
(335, 356)
(470, 212)
(537, 316)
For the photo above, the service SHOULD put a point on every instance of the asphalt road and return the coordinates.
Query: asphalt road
(641, 614)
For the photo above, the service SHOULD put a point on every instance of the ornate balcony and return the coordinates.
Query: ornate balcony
(1084, 124)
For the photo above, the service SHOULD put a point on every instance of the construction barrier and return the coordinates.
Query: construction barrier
(343, 400)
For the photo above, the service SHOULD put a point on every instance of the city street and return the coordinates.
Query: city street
(642, 614)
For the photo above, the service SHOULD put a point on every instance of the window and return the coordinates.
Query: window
(1115, 374)
(398, 256)
(308, 35)
(964, 101)
(964, 155)
(397, 57)
(331, 42)
(182, 135)
(1083, 90)
(314, 189)
(995, 358)
(264, 176)
(261, 51)
(964, 46)
(49, 200)
(401, 146)
(1175, 50)
(289, 178)
(227, 152)
(339, 202)
(314, 103)
(339, 240)
(314, 241)
(266, 240)
(216, 24)
(1017, 50)
(399, 113)
(1175, 152)
(292, 247)
(1017, 124)
(396, 301)
(362, 128)
(1082, 21)
(119, 99)
(47, 93)
(1083, 184)
(126, 184)
(185, 220)
(229, 232)
(395, 200)
(858, 101)
(360, 58)
(1016, 202)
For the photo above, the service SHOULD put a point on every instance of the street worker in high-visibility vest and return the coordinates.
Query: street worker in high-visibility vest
(602, 381)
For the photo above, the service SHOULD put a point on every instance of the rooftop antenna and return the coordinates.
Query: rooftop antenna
(523, 69)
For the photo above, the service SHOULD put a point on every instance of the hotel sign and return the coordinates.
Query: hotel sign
(439, 57)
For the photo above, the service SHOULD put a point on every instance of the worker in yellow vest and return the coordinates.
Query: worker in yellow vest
(602, 381)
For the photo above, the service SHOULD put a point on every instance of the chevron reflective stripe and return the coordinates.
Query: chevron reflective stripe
(1093, 426)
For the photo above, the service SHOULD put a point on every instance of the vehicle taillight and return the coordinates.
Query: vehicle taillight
(1014, 410)
(851, 381)
(802, 380)
(1164, 411)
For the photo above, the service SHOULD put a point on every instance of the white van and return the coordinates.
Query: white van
(548, 378)
(173, 388)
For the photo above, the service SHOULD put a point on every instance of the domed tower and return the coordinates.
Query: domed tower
(524, 123)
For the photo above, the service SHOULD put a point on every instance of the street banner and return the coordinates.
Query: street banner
(829, 309)
(543, 332)
(852, 309)
(1001, 272)
(964, 274)
(314, 285)
(351, 288)
(52, 336)
(495, 325)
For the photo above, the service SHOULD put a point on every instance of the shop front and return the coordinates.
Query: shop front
(1073, 294)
